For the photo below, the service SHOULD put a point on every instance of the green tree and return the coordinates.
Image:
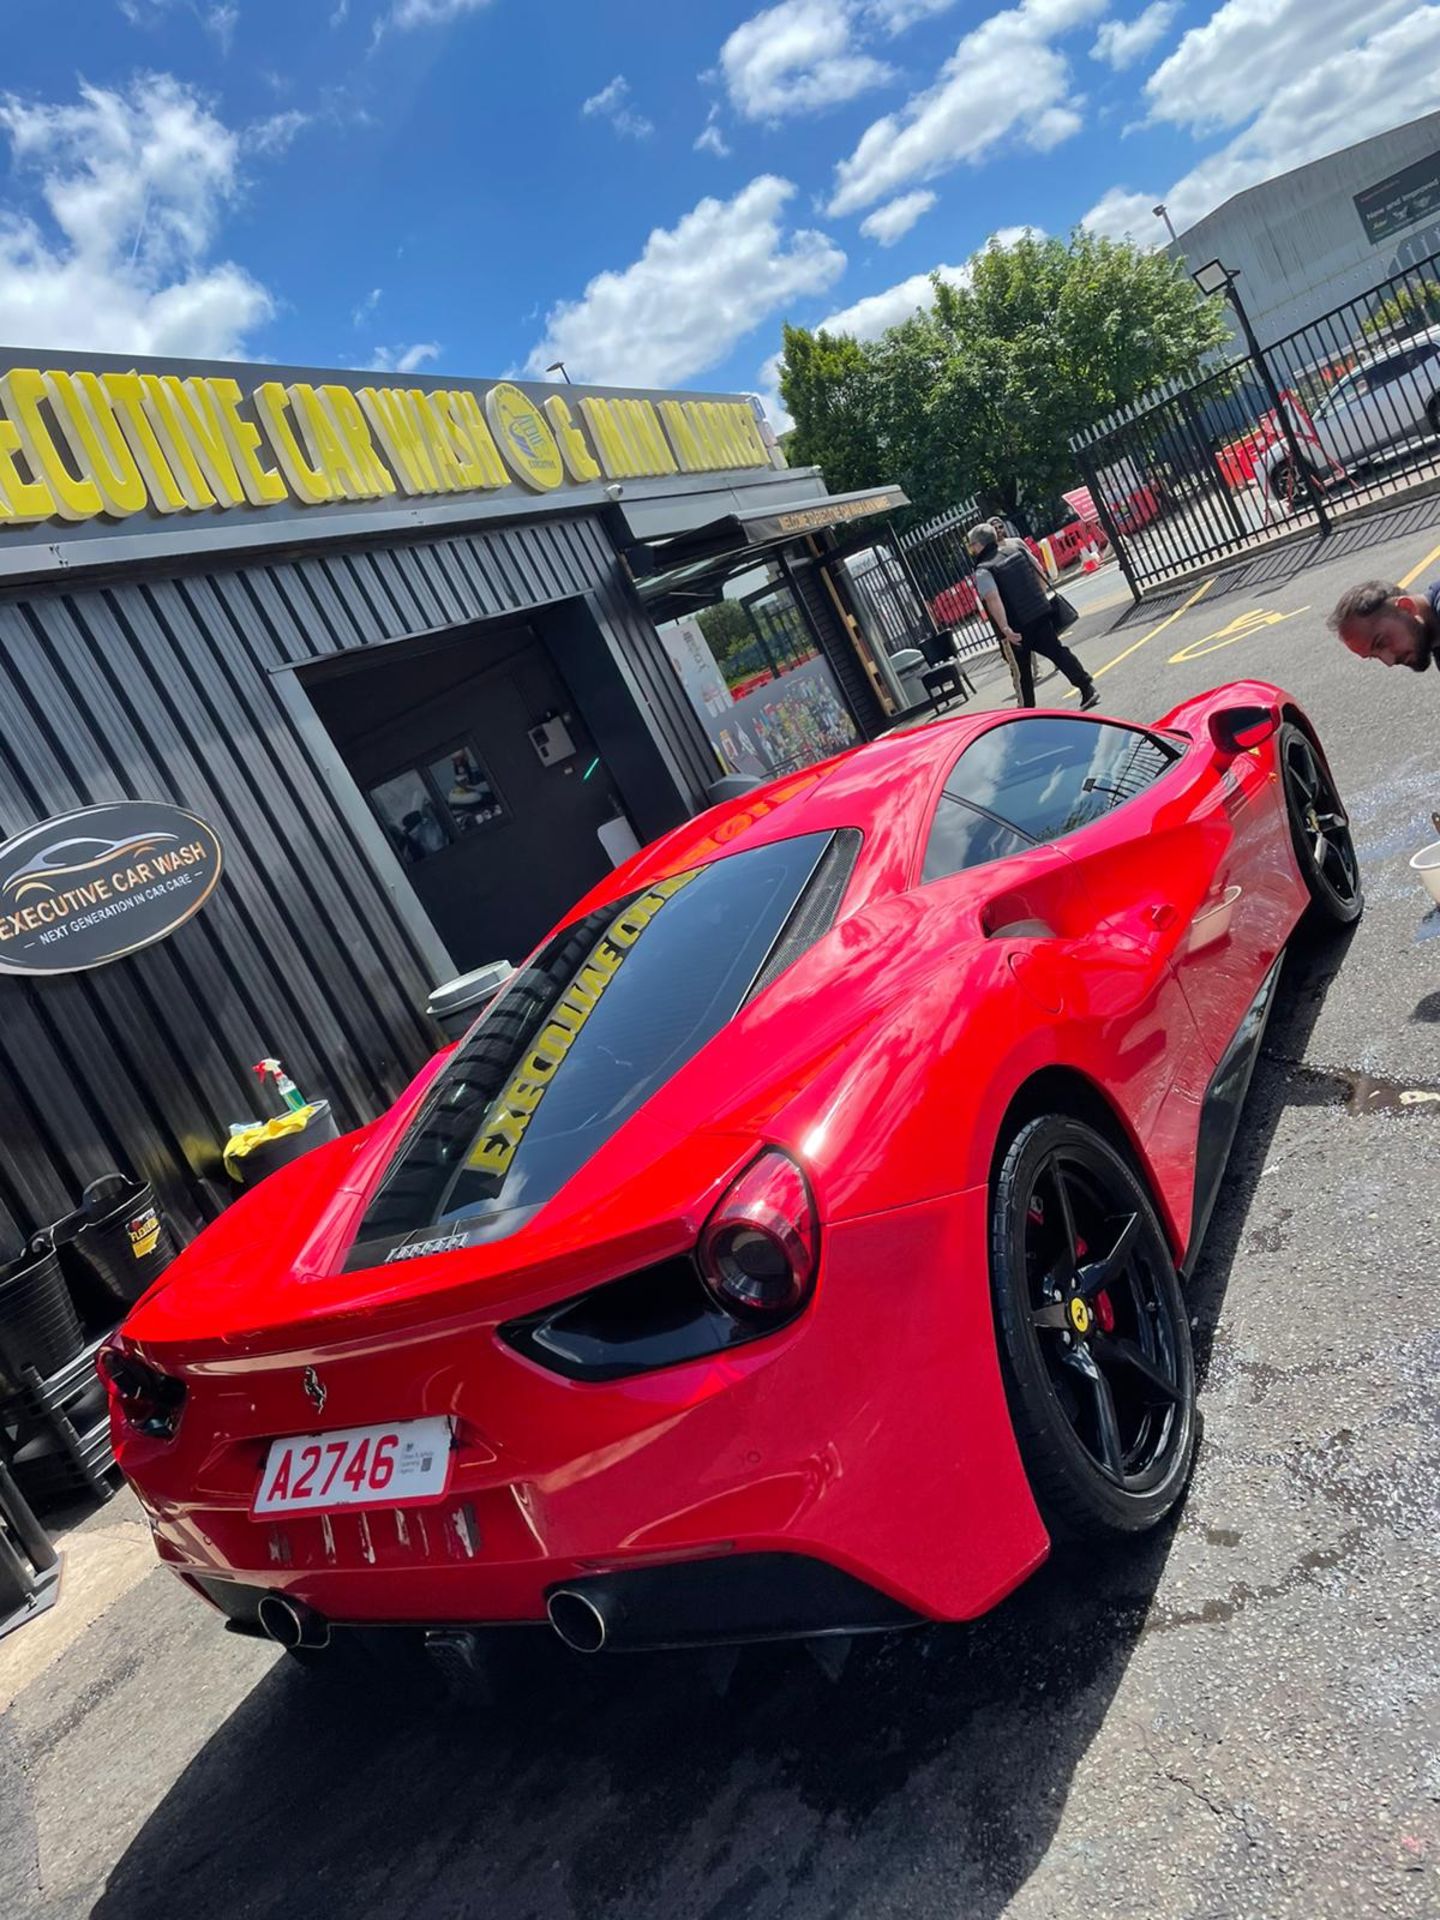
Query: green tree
(983, 392)
(1407, 309)
(726, 627)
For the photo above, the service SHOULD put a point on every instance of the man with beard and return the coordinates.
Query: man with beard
(1380, 622)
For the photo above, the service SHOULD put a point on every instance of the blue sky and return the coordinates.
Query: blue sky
(643, 189)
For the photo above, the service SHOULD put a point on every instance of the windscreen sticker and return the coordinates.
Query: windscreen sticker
(495, 1150)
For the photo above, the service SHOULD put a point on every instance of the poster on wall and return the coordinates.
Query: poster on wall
(789, 722)
(85, 888)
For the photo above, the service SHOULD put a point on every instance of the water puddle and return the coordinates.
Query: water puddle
(1360, 1093)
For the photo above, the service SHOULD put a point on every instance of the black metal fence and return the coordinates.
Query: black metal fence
(1344, 412)
(916, 581)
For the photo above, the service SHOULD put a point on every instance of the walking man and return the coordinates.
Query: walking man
(1379, 622)
(1017, 599)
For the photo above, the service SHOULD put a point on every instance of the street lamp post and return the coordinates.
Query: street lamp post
(1162, 212)
(558, 366)
(1215, 277)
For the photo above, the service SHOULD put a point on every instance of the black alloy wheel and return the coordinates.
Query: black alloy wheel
(1289, 483)
(1094, 1336)
(1432, 414)
(1320, 830)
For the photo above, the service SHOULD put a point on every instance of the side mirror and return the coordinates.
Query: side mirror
(1237, 729)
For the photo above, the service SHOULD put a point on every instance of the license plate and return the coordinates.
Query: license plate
(387, 1466)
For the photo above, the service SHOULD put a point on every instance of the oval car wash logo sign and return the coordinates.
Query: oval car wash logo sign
(83, 889)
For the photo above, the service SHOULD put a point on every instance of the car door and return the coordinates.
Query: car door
(1340, 419)
(1391, 410)
(1173, 848)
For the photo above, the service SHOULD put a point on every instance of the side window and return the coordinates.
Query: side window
(1389, 371)
(960, 837)
(1049, 777)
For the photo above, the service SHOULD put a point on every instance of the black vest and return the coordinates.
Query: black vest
(1021, 593)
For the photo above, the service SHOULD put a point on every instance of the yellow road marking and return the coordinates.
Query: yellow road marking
(1415, 572)
(1146, 638)
(1241, 628)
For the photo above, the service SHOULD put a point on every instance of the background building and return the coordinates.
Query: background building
(1329, 231)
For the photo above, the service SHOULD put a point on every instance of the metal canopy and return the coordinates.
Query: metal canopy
(680, 556)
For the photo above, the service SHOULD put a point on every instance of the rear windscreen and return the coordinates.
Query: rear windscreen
(604, 1015)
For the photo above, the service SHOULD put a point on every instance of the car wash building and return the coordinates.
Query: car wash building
(319, 691)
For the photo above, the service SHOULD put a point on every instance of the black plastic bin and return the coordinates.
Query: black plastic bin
(271, 1154)
(39, 1326)
(124, 1240)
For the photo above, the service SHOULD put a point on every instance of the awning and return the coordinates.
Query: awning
(741, 532)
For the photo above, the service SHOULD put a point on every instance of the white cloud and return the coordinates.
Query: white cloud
(894, 220)
(275, 133)
(868, 318)
(222, 22)
(135, 184)
(896, 15)
(341, 13)
(1123, 215)
(428, 13)
(1251, 50)
(1004, 79)
(1356, 84)
(1120, 43)
(798, 57)
(366, 307)
(404, 359)
(697, 289)
(710, 139)
(218, 17)
(610, 104)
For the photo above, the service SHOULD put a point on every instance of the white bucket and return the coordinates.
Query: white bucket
(1427, 864)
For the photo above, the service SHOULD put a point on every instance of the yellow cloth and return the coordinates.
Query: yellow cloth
(246, 1141)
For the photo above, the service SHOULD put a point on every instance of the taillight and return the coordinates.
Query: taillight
(143, 1397)
(761, 1247)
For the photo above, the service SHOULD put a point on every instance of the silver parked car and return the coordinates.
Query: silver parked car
(1389, 397)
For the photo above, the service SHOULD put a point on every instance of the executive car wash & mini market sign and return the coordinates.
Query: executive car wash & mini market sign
(111, 442)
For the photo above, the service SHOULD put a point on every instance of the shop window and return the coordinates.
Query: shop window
(444, 798)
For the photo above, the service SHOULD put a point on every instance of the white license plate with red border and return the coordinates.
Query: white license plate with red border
(385, 1466)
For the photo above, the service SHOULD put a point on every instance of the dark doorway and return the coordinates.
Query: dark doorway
(483, 777)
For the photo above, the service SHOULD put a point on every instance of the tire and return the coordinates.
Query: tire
(1095, 1477)
(1289, 483)
(1432, 414)
(1319, 832)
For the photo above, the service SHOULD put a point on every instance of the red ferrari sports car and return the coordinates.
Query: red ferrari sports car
(795, 1245)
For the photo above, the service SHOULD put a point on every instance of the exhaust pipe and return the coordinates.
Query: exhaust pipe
(717, 1601)
(291, 1624)
(579, 1620)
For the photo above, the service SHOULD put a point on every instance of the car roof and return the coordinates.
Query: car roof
(883, 788)
(1429, 337)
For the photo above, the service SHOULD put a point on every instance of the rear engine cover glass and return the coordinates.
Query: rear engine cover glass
(604, 1015)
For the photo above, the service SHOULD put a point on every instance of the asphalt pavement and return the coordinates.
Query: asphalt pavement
(1238, 1717)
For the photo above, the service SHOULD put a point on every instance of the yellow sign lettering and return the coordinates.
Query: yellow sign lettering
(394, 422)
(350, 424)
(308, 483)
(127, 397)
(263, 486)
(465, 409)
(580, 463)
(21, 391)
(82, 408)
(192, 441)
(21, 501)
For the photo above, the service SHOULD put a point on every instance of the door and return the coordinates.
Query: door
(1173, 851)
(497, 841)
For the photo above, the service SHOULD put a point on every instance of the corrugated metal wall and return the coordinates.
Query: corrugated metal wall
(164, 688)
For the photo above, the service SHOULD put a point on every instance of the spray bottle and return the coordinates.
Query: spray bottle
(291, 1098)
